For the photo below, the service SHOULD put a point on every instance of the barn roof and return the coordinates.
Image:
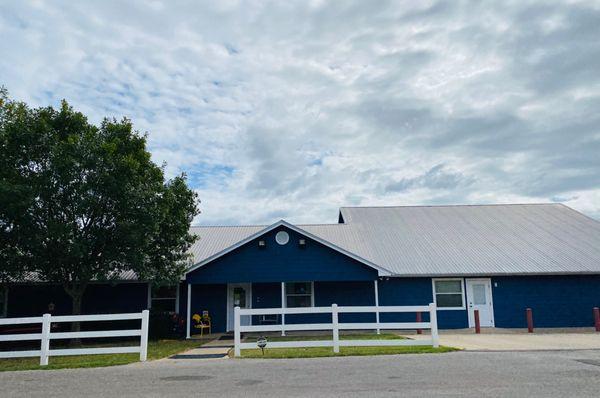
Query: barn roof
(448, 240)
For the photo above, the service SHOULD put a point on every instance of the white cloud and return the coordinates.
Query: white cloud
(290, 110)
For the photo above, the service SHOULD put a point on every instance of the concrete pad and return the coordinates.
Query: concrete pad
(202, 353)
(214, 349)
(519, 342)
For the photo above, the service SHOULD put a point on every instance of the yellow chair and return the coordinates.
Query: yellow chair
(202, 322)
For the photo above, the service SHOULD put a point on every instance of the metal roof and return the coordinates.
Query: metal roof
(260, 232)
(449, 240)
(33, 277)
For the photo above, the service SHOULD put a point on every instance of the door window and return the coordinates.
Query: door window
(239, 297)
(479, 296)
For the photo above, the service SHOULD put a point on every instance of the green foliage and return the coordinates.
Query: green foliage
(81, 203)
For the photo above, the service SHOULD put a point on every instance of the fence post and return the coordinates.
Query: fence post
(529, 316)
(237, 340)
(283, 306)
(45, 347)
(477, 322)
(144, 335)
(419, 320)
(435, 338)
(597, 318)
(335, 328)
(377, 306)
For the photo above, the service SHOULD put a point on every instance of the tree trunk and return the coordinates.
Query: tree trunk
(76, 326)
(76, 293)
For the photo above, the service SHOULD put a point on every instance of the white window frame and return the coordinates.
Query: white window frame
(312, 293)
(4, 306)
(175, 298)
(462, 288)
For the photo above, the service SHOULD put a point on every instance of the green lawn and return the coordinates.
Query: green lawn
(356, 336)
(313, 352)
(156, 349)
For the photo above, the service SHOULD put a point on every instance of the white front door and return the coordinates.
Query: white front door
(479, 297)
(238, 295)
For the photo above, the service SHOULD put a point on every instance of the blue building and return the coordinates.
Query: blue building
(498, 259)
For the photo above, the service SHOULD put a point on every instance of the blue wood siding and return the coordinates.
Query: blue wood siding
(416, 291)
(211, 298)
(282, 263)
(33, 300)
(268, 295)
(556, 301)
(346, 293)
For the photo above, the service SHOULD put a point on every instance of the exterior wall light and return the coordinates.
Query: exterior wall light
(262, 244)
(302, 242)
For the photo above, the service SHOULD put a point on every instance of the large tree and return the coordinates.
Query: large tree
(82, 203)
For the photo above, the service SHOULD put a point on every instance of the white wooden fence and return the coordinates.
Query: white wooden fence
(46, 335)
(336, 326)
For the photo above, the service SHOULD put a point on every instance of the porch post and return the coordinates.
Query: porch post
(377, 305)
(189, 311)
(282, 306)
(149, 296)
(177, 298)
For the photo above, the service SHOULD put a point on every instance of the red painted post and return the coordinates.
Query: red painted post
(419, 331)
(597, 318)
(477, 324)
(529, 320)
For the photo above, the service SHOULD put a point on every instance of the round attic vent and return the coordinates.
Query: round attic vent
(282, 237)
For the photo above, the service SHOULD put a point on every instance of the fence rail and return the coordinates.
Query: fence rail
(335, 326)
(46, 335)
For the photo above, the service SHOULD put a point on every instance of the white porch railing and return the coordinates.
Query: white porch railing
(46, 335)
(335, 326)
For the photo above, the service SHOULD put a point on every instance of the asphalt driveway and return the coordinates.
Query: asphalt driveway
(476, 374)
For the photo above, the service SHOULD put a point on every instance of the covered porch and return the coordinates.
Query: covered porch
(220, 300)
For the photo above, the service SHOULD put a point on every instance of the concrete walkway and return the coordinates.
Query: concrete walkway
(519, 341)
(214, 349)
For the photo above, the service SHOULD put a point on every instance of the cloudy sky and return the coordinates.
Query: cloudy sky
(292, 109)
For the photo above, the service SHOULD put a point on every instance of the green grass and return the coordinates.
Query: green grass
(156, 349)
(362, 336)
(315, 352)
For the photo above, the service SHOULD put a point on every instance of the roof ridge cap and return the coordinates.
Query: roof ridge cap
(456, 205)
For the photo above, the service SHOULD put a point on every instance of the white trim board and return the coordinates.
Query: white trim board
(380, 271)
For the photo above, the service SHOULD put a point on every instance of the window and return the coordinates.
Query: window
(164, 298)
(282, 237)
(299, 294)
(3, 301)
(449, 294)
